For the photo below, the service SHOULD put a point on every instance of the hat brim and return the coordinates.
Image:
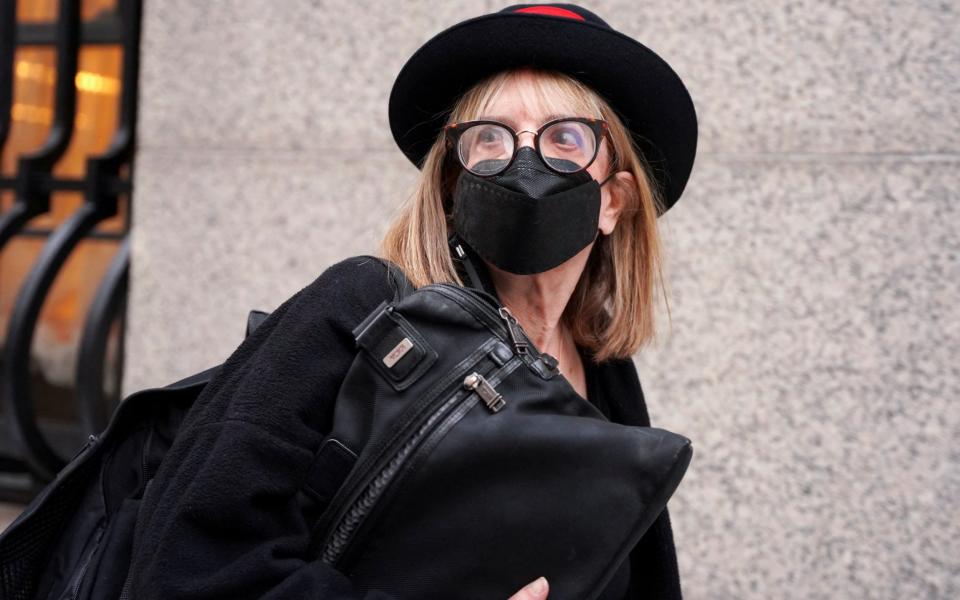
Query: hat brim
(646, 93)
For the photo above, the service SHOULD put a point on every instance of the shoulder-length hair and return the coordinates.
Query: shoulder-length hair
(611, 311)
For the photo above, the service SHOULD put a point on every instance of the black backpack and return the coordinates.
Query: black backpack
(461, 463)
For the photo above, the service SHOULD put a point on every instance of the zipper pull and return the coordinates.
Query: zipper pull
(490, 396)
(519, 343)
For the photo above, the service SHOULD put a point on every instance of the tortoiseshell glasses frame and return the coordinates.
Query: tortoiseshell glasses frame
(452, 133)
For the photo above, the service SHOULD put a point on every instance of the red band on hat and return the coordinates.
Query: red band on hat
(553, 11)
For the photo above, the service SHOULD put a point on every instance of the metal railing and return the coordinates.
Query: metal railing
(32, 449)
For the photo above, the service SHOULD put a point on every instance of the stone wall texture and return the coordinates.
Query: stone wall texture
(813, 261)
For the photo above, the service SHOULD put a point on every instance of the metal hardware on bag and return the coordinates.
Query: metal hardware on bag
(518, 342)
(398, 352)
(491, 397)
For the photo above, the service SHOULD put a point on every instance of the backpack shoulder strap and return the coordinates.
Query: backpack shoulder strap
(464, 263)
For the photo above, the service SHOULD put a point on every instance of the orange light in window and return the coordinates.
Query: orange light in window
(96, 83)
(29, 113)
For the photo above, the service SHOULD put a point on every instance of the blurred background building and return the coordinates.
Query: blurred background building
(66, 143)
(813, 260)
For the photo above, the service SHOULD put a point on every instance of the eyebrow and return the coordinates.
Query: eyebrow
(509, 120)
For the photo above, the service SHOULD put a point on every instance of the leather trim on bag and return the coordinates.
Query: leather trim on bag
(382, 334)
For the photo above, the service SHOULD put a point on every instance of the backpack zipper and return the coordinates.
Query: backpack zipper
(472, 383)
(491, 397)
(496, 316)
(82, 572)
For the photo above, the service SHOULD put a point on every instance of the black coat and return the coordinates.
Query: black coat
(221, 520)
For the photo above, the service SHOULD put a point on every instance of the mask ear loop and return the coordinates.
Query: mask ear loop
(599, 232)
(609, 177)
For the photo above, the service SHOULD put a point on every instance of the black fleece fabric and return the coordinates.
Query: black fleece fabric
(220, 518)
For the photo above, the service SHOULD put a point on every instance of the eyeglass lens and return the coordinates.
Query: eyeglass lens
(567, 146)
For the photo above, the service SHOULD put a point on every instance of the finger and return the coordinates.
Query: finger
(535, 590)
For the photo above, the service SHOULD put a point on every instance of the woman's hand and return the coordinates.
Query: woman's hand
(535, 590)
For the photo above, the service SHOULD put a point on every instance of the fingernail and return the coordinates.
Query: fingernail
(539, 586)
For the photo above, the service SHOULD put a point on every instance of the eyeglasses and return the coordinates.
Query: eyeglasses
(567, 145)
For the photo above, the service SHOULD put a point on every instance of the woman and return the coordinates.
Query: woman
(548, 204)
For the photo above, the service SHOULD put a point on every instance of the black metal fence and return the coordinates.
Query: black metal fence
(32, 450)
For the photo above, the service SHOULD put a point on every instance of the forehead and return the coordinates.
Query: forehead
(527, 96)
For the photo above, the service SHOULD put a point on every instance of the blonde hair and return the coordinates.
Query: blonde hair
(611, 311)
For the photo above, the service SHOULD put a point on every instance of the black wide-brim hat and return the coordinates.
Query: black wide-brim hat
(641, 87)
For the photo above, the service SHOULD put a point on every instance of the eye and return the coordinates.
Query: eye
(566, 137)
(489, 136)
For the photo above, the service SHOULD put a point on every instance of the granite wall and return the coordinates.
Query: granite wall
(813, 260)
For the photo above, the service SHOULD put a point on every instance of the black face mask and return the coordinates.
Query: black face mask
(529, 218)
